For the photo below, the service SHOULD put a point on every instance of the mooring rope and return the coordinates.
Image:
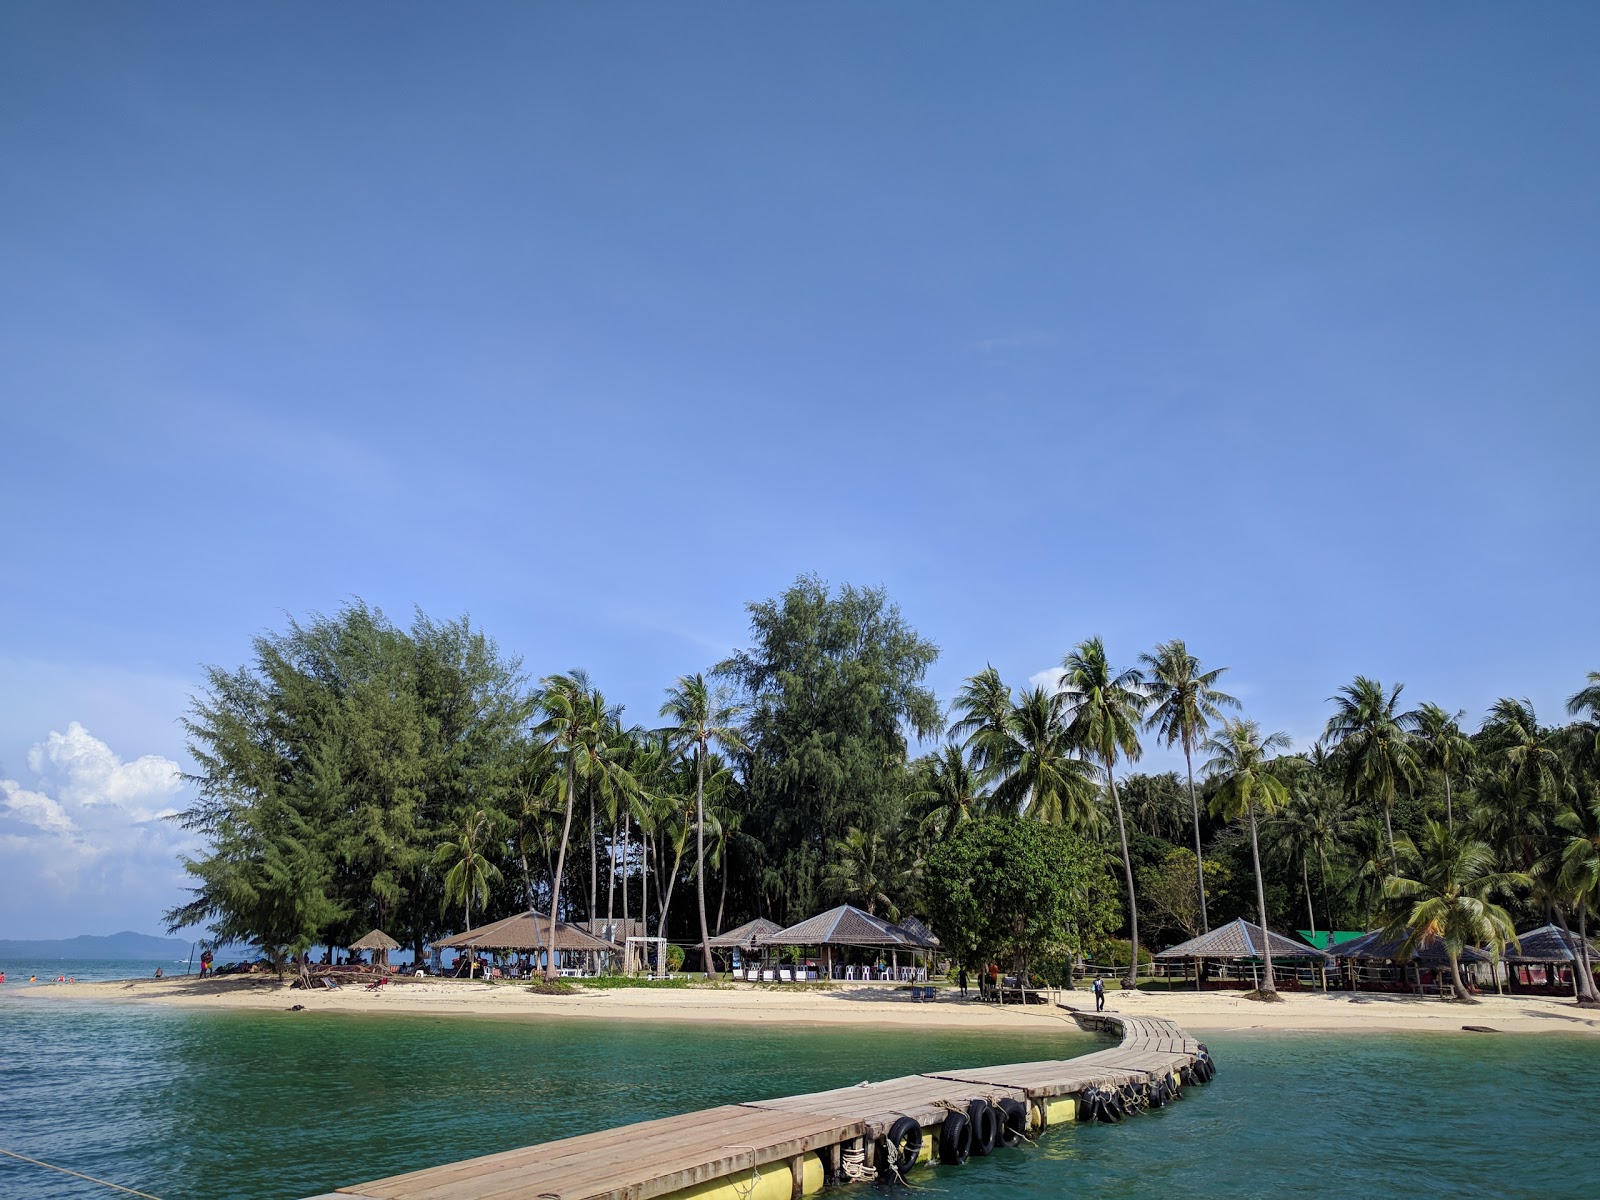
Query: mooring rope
(78, 1174)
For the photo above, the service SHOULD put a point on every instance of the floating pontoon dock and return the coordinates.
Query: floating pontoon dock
(795, 1145)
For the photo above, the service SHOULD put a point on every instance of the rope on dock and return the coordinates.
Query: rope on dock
(78, 1174)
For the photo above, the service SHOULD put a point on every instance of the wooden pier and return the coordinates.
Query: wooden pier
(788, 1147)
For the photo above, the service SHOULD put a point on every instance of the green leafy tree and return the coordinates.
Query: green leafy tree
(468, 871)
(1184, 700)
(700, 717)
(1171, 893)
(1240, 761)
(1105, 707)
(1444, 895)
(1017, 890)
(832, 684)
(1372, 737)
(863, 872)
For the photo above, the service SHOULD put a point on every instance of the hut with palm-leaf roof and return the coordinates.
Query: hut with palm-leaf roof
(378, 944)
(1378, 962)
(747, 940)
(1545, 961)
(527, 933)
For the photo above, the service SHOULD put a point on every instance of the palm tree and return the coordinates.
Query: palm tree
(1445, 899)
(468, 873)
(562, 699)
(1241, 762)
(984, 703)
(1579, 821)
(861, 871)
(1105, 707)
(1372, 737)
(1038, 775)
(700, 717)
(1442, 747)
(944, 791)
(1184, 700)
(1587, 699)
(1514, 742)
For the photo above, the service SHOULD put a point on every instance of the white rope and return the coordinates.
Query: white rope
(79, 1175)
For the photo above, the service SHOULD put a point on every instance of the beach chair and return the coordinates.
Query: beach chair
(329, 984)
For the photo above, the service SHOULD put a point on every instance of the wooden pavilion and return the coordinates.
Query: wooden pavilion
(850, 927)
(527, 933)
(1241, 945)
(1376, 962)
(1545, 962)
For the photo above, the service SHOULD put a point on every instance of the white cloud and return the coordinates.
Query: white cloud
(92, 776)
(34, 808)
(1049, 678)
(90, 822)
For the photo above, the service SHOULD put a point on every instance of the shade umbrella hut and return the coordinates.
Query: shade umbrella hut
(849, 926)
(1380, 951)
(1552, 948)
(1240, 941)
(527, 933)
(379, 944)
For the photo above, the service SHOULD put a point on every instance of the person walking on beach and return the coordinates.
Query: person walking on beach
(1099, 994)
(961, 981)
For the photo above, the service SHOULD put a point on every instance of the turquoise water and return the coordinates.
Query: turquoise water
(190, 1104)
(85, 970)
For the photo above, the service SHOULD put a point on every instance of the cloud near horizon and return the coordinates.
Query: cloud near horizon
(89, 831)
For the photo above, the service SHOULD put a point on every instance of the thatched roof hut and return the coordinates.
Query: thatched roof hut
(376, 939)
(525, 932)
(747, 938)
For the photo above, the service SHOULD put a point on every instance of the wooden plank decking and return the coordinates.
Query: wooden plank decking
(655, 1158)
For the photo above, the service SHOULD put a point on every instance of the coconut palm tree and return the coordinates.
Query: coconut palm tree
(1445, 898)
(468, 873)
(1579, 823)
(563, 701)
(1442, 747)
(1586, 700)
(1241, 758)
(944, 791)
(701, 716)
(861, 871)
(1184, 700)
(1372, 738)
(984, 726)
(1515, 744)
(1038, 775)
(1105, 707)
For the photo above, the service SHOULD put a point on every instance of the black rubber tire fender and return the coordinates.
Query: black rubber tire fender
(1112, 1108)
(955, 1139)
(906, 1138)
(1014, 1121)
(985, 1121)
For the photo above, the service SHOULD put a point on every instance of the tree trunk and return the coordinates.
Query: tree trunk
(626, 849)
(666, 906)
(1199, 860)
(1449, 810)
(1305, 881)
(594, 873)
(555, 884)
(1459, 984)
(1127, 868)
(1583, 967)
(1261, 905)
(1388, 828)
(700, 853)
(722, 900)
(1327, 905)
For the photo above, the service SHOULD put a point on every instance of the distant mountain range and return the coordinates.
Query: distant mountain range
(87, 946)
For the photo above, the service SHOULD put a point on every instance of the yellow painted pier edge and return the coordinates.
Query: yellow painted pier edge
(790, 1146)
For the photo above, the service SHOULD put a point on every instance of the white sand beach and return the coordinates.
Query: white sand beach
(860, 1004)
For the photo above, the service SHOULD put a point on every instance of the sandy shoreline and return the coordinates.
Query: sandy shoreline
(860, 1004)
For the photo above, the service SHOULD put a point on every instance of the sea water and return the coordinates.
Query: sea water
(187, 1103)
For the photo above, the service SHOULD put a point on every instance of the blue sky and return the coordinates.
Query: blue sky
(1266, 326)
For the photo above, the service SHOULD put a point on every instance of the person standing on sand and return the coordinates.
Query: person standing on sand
(961, 981)
(1099, 994)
